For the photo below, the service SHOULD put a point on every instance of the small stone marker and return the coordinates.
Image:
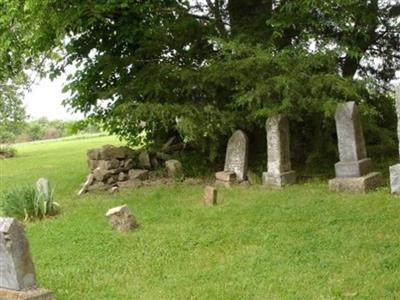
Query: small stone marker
(395, 169)
(353, 171)
(121, 218)
(279, 166)
(237, 155)
(210, 196)
(16, 266)
(43, 186)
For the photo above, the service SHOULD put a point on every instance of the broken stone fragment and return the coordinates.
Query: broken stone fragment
(121, 219)
(226, 176)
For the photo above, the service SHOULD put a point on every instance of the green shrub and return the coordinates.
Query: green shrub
(26, 203)
(7, 151)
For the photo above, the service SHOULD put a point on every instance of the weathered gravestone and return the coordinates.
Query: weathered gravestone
(395, 170)
(353, 171)
(43, 187)
(236, 158)
(279, 167)
(18, 280)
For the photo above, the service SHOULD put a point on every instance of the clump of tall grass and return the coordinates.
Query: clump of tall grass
(7, 151)
(27, 203)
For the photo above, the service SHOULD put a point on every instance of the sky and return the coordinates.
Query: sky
(44, 100)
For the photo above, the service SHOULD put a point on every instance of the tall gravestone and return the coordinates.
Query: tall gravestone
(395, 170)
(18, 280)
(235, 169)
(353, 171)
(279, 166)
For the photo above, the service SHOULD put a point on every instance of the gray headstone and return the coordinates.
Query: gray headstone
(237, 155)
(398, 110)
(395, 170)
(349, 131)
(278, 145)
(43, 186)
(352, 151)
(16, 267)
(279, 167)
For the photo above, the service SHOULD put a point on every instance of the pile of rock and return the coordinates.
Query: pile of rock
(118, 167)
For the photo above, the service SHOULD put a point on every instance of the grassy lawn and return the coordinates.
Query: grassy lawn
(298, 243)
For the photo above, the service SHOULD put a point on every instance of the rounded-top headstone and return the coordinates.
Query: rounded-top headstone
(237, 155)
(16, 266)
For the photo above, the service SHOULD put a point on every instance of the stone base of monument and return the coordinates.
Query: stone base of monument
(279, 180)
(31, 294)
(361, 184)
(353, 168)
(395, 179)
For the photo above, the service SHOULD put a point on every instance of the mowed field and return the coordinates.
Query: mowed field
(301, 242)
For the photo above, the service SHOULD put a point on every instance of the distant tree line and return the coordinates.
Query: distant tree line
(44, 129)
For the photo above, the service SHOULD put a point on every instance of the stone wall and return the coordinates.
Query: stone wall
(113, 167)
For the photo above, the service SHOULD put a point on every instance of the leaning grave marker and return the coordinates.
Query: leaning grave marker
(18, 279)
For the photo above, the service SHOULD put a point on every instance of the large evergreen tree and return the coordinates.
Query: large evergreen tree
(199, 69)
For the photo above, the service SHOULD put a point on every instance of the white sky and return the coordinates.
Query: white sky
(44, 100)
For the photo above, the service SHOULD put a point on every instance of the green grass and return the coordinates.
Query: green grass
(298, 243)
